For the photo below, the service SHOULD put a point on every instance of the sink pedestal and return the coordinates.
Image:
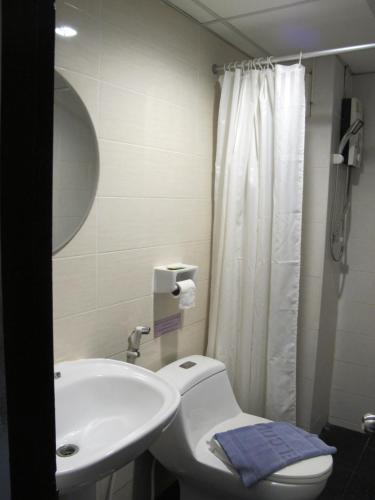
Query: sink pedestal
(87, 492)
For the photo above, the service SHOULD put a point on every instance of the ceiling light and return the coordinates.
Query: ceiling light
(65, 31)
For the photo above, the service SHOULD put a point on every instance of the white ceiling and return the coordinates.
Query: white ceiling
(282, 27)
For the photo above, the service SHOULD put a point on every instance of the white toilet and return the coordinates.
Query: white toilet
(208, 406)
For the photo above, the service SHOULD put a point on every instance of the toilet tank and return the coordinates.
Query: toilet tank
(206, 400)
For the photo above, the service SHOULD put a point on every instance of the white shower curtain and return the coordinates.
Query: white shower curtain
(257, 236)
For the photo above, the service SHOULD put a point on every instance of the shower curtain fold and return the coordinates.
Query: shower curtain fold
(257, 236)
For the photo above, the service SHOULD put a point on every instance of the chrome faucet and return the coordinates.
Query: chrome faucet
(368, 423)
(134, 342)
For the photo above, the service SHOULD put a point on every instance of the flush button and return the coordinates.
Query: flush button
(187, 364)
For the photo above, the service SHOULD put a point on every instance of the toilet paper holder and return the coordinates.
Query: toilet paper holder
(166, 277)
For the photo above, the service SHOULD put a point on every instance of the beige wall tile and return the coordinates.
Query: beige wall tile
(316, 194)
(137, 172)
(74, 285)
(313, 248)
(75, 337)
(79, 53)
(171, 346)
(88, 90)
(319, 279)
(144, 73)
(305, 389)
(352, 390)
(84, 242)
(129, 274)
(134, 118)
(310, 298)
(132, 62)
(125, 223)
(115, 323)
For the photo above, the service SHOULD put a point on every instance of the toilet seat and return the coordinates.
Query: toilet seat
(312, 470)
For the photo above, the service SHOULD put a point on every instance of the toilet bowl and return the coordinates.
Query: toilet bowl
(208, 406)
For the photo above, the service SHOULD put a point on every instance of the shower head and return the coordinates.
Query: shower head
(354, 128)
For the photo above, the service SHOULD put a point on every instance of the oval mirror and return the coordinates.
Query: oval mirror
(75, 163)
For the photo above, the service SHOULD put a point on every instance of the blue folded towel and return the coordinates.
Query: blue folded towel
(256, 451)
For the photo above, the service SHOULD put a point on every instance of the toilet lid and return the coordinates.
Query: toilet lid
(306, 471)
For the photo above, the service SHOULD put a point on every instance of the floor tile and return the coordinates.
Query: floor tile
(349, 444)
(172, 493)
(361, 488)
(336, 483)
(371, 443)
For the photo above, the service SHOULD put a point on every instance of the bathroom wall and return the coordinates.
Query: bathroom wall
(319, 276)
(354, 369)
(331, 271)
(144, 72)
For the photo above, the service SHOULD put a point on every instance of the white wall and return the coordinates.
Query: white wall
(353, 391)
(319, 277)
(144, 72)
(330, 283)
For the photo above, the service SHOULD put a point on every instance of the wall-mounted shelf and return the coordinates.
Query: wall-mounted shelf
(166, 277)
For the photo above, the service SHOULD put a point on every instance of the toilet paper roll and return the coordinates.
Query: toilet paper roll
(185, 292)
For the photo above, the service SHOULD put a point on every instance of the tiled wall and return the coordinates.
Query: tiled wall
(144, 72)
(331, 273)
(318, 299)
(353, 391)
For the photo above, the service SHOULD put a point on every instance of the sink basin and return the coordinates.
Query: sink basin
(107, 413)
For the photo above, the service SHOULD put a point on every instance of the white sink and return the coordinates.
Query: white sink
(112, 411)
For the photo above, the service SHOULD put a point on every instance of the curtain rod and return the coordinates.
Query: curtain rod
(295, 57)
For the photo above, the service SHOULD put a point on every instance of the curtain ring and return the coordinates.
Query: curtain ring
(300, 58)
(271, 63)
